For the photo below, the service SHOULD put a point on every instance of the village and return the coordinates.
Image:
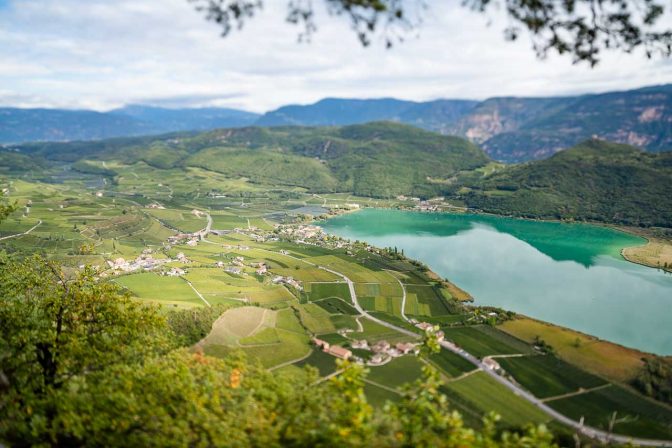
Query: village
(382, 352)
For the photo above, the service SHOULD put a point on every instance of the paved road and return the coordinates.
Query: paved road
(21, 234)
(204, 232)
(590, 432)
(587, 431)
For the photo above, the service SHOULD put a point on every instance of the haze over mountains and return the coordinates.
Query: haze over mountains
(509, 129)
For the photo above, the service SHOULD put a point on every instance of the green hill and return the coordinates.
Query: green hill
(380, 159)
(596, 180)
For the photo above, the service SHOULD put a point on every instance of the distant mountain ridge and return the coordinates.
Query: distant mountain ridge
(509, 129)
(19, 125)
(431, 115)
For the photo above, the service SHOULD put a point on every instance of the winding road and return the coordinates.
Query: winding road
(579, 427)
(592, 433)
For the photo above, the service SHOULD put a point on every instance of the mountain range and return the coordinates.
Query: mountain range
(509, 129)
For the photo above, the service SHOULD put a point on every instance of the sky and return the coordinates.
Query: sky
(102, 54)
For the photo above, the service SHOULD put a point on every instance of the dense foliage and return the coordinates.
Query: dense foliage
(193, 324)
(82, 365)
(597, 181)
(655, 379)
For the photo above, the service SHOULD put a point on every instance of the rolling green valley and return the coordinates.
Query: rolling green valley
(335, 224)
(253, 244)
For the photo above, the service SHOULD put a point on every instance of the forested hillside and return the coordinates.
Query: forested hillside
(595, 180)
(377, 159)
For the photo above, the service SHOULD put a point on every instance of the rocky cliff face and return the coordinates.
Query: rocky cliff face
(518, 129)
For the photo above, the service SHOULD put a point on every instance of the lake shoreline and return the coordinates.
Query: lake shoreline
(643, 233)
(615, 251)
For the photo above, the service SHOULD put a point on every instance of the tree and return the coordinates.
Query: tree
(54, 329)
(5, 209)
(580, 28)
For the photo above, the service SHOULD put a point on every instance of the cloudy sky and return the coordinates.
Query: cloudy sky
(101, 54)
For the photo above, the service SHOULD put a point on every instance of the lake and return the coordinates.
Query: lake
(567, 274)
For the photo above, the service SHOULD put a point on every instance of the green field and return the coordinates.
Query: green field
(398, 372)
(378, 396)
(644, 418)
(374, 332)
(450, 363)
(481, 394)
(547, 376)
(326, 290)
(323, 362)
(158, 288)
(337, 306)
(424, 300)
(483, 341)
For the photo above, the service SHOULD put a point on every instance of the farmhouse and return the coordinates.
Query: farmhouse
(363, 344)
(234, 270)
(407, 347)
(288, 281)
(175, 272)
(380, 347)
(340, 352)
(424, 326)
(491, 364)
(324, 345)
(378, 358)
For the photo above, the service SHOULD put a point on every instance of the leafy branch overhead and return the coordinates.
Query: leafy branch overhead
(580, 28)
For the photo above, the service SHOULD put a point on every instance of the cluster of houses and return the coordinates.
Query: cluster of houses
(261, 268)
(426, 326)
(190, 239)
(236, 247)
(302, 232)
(279, 279)
(382, 351)
(175, 272)
(426, 206)
(144, 261)
(401, 197)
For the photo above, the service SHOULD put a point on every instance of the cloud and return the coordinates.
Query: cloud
(101, 54)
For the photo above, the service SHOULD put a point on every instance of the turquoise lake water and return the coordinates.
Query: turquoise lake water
(568, 274)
